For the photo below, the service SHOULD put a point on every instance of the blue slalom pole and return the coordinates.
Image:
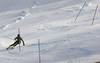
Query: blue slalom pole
(39, 51)
(80, 11)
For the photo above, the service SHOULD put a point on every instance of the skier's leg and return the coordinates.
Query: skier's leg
(15, 44)
(12, 45)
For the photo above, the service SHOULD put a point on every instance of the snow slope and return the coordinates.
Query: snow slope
(62, 39)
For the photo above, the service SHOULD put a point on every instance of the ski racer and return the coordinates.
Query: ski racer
(16, 42)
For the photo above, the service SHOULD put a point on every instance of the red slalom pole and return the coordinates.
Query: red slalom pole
(94, 15)
(19, 39)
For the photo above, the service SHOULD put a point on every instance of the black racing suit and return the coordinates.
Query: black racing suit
(17, 42)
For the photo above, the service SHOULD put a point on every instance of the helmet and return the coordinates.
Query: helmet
(18, 35)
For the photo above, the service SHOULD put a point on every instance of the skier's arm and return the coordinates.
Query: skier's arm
(23, 42)
(15, 39)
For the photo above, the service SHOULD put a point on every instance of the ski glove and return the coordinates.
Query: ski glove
(15, 39)
(23, 44)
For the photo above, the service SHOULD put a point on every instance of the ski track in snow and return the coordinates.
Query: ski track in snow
(21, 16)
(27, 12)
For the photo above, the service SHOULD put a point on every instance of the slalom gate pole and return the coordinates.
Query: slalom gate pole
(39, 51)
(94, 15)
(80, 11)
(19, 40)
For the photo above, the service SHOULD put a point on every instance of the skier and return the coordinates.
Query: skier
(16, 42)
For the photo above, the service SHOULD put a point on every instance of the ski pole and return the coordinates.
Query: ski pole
(8, 37)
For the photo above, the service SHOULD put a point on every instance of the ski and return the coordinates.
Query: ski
(9, 48)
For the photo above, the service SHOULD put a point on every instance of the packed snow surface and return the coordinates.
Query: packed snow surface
(62, 39)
